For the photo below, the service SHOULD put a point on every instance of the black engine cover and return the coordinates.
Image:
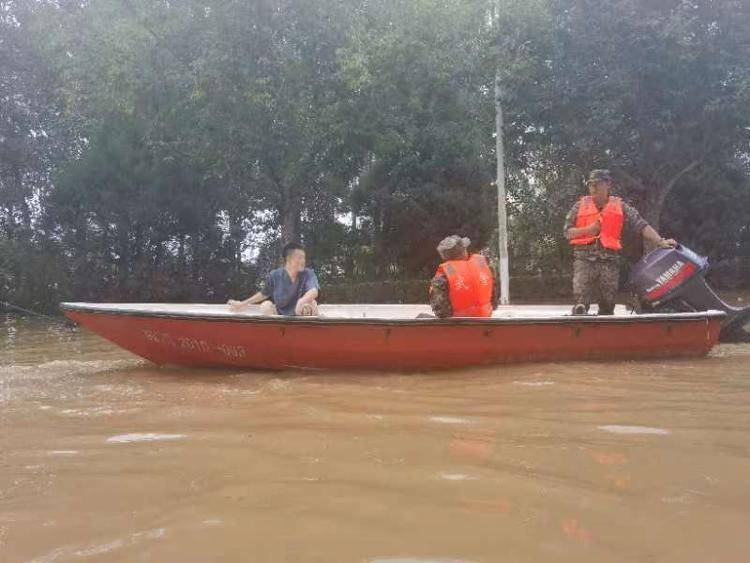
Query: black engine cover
(673, 279)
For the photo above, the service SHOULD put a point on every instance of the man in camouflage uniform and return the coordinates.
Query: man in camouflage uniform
(596, 269)
(452, 248)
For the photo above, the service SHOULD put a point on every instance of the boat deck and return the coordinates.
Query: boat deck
(356, 311)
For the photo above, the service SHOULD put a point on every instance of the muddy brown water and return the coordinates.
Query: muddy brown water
(105, 457)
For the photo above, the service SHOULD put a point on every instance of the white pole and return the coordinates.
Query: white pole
(502, 213)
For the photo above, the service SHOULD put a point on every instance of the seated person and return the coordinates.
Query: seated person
(290, 291)
(463, 285)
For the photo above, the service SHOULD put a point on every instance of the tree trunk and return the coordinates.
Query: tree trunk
(653, 205)
(656, 194)
(377, 242)
(236, 237)
(290, 219)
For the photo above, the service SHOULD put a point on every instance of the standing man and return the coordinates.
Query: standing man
(290, 291)
(463, 285)
(594, 227)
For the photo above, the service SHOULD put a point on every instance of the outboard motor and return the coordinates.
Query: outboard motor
(672, 280)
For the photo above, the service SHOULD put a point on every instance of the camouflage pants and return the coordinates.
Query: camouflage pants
(596, 281)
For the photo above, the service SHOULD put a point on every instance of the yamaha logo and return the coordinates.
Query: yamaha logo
(670, 273)
(673, 276)
(667, 275)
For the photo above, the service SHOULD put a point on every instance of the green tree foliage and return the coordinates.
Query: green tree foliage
(654, 90)
(419, 74)
(165, 150)
(32, 271)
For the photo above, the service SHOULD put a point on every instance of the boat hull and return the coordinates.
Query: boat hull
(278, 343)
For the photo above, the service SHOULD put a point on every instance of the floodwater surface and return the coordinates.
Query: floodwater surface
(105, 457)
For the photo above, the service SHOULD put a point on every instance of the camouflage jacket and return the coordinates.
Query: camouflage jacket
(595, 251)
(440, 300)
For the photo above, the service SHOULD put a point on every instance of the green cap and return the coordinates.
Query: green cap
(453, 246)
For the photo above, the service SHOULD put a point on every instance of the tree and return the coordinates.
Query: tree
(164, 150)
(421, 78)
(656, 91)
(25, 105)
(270, 74)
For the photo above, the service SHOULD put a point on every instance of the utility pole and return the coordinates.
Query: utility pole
(502, 213)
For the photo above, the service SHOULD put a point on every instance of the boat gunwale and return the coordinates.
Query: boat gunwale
(380, 321)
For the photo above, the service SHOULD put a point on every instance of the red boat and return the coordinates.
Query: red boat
(389, 337)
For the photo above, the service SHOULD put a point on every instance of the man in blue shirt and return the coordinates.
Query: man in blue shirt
(291, 290)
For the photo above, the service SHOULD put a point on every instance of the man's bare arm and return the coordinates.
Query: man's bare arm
(650, 235)
(309, 296)
(252, 300)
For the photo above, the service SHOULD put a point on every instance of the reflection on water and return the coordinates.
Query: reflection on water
(104, 457)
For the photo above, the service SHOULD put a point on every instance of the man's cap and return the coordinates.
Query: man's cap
(453, 246)
(599, 175)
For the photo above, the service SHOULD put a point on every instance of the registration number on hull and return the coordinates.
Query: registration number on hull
(190, 344)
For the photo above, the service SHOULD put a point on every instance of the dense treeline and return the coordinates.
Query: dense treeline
(163, 149)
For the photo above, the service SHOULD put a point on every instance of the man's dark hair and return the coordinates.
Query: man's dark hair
(289, 248)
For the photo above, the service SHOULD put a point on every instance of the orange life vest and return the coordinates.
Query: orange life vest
(612, 221)
(470, 286)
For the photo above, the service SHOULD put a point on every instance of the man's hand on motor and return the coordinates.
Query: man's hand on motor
(667, 243)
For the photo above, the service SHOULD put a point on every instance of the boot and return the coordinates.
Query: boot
(580, 309)
(606, 308)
